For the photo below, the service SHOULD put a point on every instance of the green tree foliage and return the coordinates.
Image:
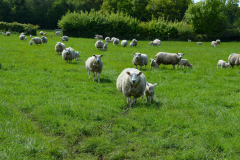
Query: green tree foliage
(5, 10)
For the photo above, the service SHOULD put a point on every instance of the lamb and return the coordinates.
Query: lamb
(41, 33)
(223, 64)
(153, 63)
(168, 58)
(124, 43)
(31, 43)
(218, 41)
(94, 64)
(25, 38)
(30, 36)
(116, 41)
(67, 55)
(99, 44)
(234, 59)
(184, 62)
(214, 43)
(105, 46)
(8, 33)
(189, 40)
(77, 55)
(131, 44)
(59, 47)
(140, 59)
(37, 40)
(22, 37)
(58, 33)
(44, 39)
(64, 38)
(131, 83)
(107, 39)
(149, 91)
(199, 43)
(134, 42)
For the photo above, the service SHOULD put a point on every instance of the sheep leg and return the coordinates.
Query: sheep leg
(89, 74)
(66, 61)
(140, 67)
(136, 66)
(147, 98)
(152, 98)
(173, 66)
(98, 77)
(134, 100)
(94, 75)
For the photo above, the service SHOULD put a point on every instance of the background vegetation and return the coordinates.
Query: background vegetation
(51, 110)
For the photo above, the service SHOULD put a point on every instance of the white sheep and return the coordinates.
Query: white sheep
(185, 63)
(105, 46)
(189, 40)
(25, 38)
(77, 55)
(214, 43)
(45, 33)
(67, 55)
(113, 38)
(31, 43)
(8, 33)
(64, 38)
(37, 40)
(168, 58)
(223, 64)
(134, 42)
(94, 64)
(59, 47)
(44, 39)
(149, 91)
(131, 44)
(41, 33)
(218, 41)
(30, 36)
(199, 43)
(22, 33)
(72, 52)
(58, 32)
(140, 59)
(153, 63)
(124, 43)
(98, 36)
(22, 37)
(107, 39)
(234, 59)
(99, 44)
(116, 41)
(131, 83)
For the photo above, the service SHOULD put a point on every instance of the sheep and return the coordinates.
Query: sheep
(37, 40)
(99, 44)
(22, 33)
(234, 59)
(156, 42)
(124, 43)
(153, 63)
(45, 34)
(44, 39)
(134, 42)
(140, 59)
(4, 34)
(116, 41)
(131, 44)
(67, 55)
(31, 43)
(22, 37)
(223, 64)
(149, 91)
(199, 43)
(58, 32)
(30, 36)
(107, 39)
(25, 38)
(59, 47)
(72, 52)
(41, 33)
(189, 40)
(8, 33)
(131, 83)
(214, 43)
(77, 55)
(113, 38)
(184, 62)
(98, 36)
(105, 46)
(64, 38)
(218, 41)
(94, 64)
(168, 58)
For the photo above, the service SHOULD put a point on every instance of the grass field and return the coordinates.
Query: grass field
(51, 110)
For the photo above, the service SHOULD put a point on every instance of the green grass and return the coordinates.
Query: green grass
(51, 110)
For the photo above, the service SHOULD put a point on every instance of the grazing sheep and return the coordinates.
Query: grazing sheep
(22, 33)
(99, 44)
(189, 40)
(45, 34)
(67, 55)
(37, 40)
(30, 36)
(131, 44)
(113, 38)
(58, 32)
(98, 36)
(116, 41)
(214, 43)
(218, 41)
(64, 38)
(199, 43)
(94, 64)
(124, 43)
(41, 33)
(72, 52)
(8, 33)
(25, 38)
(149, 91)
(44, 39)
(184, 62)
(168, 58)
(105, 46)
(59, 47)
(153, 63)
(223, 64)
(31, 43)
(134, 42)
(131, 83)
(140, 59)
(77, 55)
(22, 37)
(234, 59)
(107, 39)
(156, 42)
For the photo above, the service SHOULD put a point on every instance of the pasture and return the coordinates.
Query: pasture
(51, 110)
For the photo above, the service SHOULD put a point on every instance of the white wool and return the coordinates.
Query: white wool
(94, 64)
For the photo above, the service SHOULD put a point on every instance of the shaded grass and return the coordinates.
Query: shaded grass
(51, 110)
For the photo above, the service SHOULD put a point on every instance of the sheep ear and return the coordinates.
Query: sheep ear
(177, 53)
(128, 73)
(155, 84)
(183, 54)
(94, 55)
(147, 84)
(101, 55)
(139, 73)
(133, 53)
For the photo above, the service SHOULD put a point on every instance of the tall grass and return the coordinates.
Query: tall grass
(51, 110)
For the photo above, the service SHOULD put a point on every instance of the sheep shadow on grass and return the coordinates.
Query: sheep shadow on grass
(104, 80)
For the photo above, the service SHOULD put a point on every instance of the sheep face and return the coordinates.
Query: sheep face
(98, 58)
(67, 51)
(137, 55)
(180, 55)
(150, 87)
(134, 78)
